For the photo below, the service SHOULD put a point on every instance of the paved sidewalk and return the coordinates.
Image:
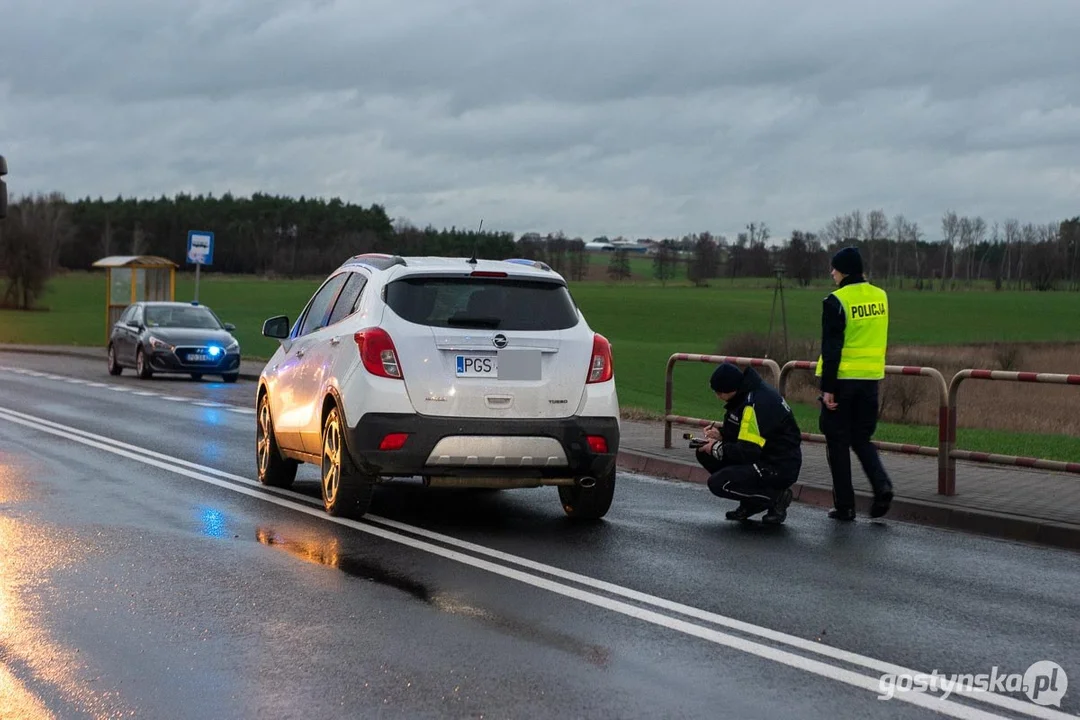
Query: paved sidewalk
(1017, 503)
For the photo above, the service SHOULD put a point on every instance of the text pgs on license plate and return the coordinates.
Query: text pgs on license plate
(477, 366)
(509, 364)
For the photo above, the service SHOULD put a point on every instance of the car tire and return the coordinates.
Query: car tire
(142, 367)
(196, 376)
(346, 491)
(590, 503)
(273, 469)
(114, 367)
(231, 378)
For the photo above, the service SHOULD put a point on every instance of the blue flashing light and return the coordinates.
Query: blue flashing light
(214, 350)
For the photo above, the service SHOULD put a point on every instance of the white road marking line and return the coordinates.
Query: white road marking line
(210, 403)
(144, 393)
(948, 707)
(175, 399)
(241, 410)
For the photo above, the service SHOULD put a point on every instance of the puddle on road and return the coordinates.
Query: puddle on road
(328, 552)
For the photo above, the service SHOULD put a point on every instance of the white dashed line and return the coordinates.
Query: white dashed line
(238, 409)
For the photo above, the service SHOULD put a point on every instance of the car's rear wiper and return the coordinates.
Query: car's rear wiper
(466, 321)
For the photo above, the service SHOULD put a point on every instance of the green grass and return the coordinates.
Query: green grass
(645, 323)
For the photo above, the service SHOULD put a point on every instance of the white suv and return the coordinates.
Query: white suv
(465, 372)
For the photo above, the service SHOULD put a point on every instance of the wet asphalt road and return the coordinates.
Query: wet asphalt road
(156, 579)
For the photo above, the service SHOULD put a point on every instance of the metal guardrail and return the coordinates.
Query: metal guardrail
(952, 454)
(944, 488)
(946, 451)
(669, 385)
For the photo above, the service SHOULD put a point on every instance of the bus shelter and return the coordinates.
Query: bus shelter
(135, 278)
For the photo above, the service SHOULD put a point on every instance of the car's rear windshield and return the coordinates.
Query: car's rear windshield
(489, 303)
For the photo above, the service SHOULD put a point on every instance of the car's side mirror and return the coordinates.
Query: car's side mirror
(134, 325)
(229, 327)
(276, 327)
(3, 188)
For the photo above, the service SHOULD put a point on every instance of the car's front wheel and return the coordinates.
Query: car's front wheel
(114, 367)
(589, 503)
(274, 470)
(346, 491)
(142, 365)
(230, 377)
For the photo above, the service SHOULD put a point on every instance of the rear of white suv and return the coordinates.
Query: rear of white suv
(467, 373)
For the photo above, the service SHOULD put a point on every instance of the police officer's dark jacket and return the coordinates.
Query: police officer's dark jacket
(759, 428)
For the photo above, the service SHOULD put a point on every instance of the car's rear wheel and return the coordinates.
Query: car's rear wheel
(142, 366)
(274, 470)
(114, 367)
(346, 491)
(589, 503)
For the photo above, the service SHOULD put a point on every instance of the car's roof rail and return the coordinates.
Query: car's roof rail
(530, 263)
(379, 261)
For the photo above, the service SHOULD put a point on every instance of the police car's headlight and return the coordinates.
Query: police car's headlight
(234, 346)
(158, 343)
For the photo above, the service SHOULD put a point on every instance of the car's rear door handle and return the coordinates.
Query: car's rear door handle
(335, 341)
(299, 353)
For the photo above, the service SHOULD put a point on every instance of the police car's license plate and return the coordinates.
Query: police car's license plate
(198, 357)
(477, 366)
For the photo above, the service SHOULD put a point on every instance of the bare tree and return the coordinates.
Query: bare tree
(34, 227)
(950, 231)
(877, 229)
(1012, 244)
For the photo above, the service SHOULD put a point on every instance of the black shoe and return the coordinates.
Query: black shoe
(844, 514)
(778, 513)
(743, 512)
(881, 504)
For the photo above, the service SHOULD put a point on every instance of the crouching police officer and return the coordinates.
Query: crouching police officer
(756, 454)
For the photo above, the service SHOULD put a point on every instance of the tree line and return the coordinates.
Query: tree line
(282, 236)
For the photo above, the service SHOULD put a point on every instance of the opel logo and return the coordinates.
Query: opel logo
(499, 340)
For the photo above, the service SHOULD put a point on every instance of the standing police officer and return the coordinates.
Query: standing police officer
(854, 337)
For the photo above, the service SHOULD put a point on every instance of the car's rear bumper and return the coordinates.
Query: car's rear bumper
(167, 361)
(481, 447)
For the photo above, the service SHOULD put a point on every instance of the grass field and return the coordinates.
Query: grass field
(646, 324)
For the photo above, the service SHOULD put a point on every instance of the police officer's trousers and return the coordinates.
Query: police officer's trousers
(850, 427)
(756, 486)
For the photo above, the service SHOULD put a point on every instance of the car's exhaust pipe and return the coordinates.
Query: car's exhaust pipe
(586, 482)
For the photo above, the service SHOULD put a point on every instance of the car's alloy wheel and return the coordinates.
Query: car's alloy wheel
(346, 491)
(274, 470)
(114, 367)
(141, 366)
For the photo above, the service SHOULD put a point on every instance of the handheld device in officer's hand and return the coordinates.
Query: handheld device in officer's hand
(695, 442)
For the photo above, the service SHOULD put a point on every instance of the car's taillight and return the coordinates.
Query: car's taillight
(597, 443)
(601, 368)
(378, 353)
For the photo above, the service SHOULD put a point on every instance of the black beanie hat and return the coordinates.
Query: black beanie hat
(726, 378)
(848, 261)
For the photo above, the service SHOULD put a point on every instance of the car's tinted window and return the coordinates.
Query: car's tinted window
(128, 315)
(482, 303)
(320, 304)
(179, 316)
(347, 300)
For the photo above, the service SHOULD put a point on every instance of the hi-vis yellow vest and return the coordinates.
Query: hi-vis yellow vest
(866, 332)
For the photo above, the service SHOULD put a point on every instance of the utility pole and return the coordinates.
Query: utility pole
(3, 188)
(778, 291)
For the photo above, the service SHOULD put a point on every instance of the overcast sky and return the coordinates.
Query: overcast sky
(632, 117)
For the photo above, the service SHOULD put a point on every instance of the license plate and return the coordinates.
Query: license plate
(477, 366)
(198, 357)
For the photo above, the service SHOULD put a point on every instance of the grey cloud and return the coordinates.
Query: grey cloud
(635, 118)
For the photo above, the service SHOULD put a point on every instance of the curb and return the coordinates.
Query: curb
(969, 520)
